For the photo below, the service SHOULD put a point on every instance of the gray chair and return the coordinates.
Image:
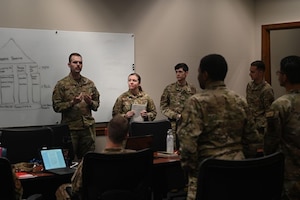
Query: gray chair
(251, 179)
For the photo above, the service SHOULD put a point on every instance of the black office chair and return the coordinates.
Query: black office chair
(157, 128)
(117, 176)
(7, 191)
(258, 178)
(24, 143)
(139, 142)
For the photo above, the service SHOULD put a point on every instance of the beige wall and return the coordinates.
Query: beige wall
(272, 12)
(166, 31)
(100, 144)
(283, 42)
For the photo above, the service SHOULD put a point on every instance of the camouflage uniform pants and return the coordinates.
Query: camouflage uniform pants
(83, 141)
(291, 190)
(192, 188)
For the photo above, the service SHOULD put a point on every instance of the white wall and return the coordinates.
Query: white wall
(166, 32)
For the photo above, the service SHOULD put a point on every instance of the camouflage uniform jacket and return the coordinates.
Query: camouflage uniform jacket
(18, 185)
(76, 179)
(173, 98)
(78, 116)
(283, 132)
(214, 123)
(259, 98)
(124, 102)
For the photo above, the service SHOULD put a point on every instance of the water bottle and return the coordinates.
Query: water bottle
(170, 141)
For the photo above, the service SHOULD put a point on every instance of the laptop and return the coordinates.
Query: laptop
(139, 142)
(54, 162)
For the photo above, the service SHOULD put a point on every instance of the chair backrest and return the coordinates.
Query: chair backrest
(24, 143)
(139, 142)
(157, 128)
(6, 180)
(107, 176)
(258, 178)
(61, 138)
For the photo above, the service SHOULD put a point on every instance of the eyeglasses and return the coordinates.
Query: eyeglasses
(279, 72)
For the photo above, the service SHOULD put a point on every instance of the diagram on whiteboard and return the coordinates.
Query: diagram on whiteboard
(33, 60)
(20, 81)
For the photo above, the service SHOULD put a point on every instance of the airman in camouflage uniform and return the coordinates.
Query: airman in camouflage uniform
(283, 132)
(75, 96)
(117, 133)
(18, 185)
(214, 122)
(174, 96)
(135, 95)
(259, 95)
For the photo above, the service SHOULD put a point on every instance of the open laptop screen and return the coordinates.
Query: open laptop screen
(53, 159)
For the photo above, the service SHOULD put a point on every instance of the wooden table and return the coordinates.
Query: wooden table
(167, 175)
(43, 183)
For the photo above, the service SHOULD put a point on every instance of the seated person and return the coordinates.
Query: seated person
(18, 185)
(117, 133)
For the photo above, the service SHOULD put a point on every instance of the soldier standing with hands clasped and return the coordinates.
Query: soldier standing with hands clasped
(75, 96)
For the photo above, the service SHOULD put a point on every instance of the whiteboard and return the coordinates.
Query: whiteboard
(32, 61)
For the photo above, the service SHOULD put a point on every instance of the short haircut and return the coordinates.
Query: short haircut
(73, 54)
(118, 129)
(260, 65)
(183, 66)
(290, 66)
(215, 65)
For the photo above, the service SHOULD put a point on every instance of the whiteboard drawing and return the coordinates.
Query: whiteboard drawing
(20, 81)
(33, 60)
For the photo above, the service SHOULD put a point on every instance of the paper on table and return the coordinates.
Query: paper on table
(164, 154)
(137, 108)
(24, 175)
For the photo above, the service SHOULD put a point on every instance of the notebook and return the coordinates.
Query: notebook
(139, 142)
(54, 162)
